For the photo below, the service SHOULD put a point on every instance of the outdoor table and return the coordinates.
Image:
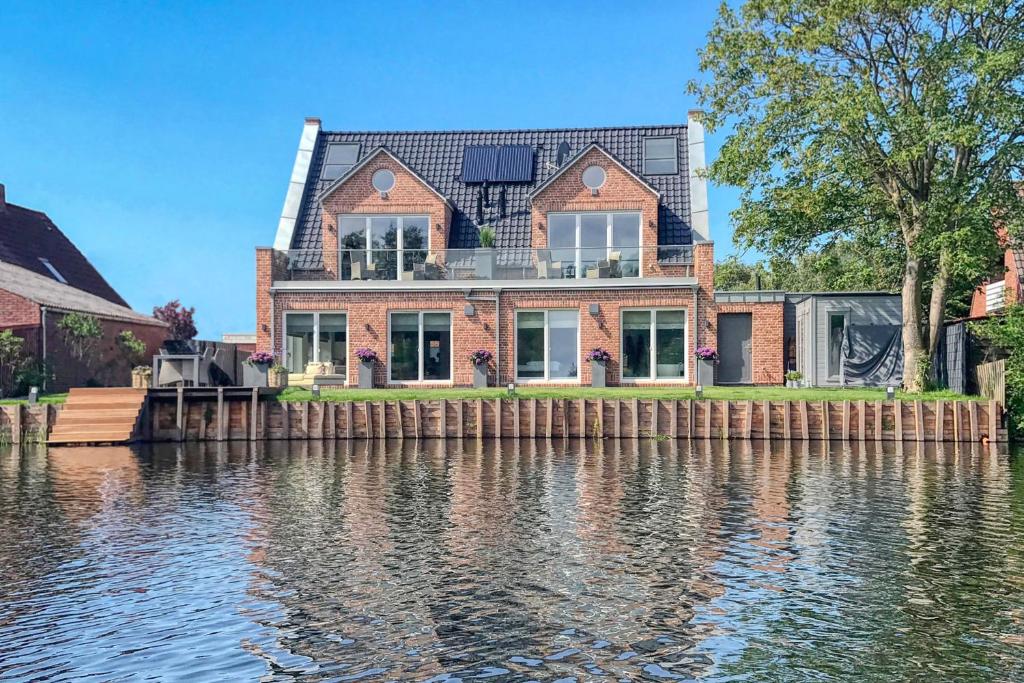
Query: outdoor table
(194, 357)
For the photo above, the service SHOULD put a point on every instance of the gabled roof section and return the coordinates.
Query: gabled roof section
(437, 157)
(45, 291)
(30, 240)
(359, 165)
(574, 159)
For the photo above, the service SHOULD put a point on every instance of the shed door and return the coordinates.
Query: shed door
(735, 336)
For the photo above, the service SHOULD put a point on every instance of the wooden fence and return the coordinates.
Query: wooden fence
(992, 380)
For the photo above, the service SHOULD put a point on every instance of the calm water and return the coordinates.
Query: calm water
(537, 561)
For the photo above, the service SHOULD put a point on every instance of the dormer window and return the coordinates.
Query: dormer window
(341, 156)
(661, 156)
(53, 271)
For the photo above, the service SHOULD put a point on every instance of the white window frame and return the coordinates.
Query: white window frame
(419, 348)
(400, 217)
(653, 377)
(547, 349)
(675, 139)
(609, 247)
(316, 335)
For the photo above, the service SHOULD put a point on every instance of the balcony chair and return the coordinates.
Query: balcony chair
(548, 269)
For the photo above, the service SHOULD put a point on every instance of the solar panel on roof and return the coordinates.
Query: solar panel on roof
(497, 164)
(515, 164)
(478, 163)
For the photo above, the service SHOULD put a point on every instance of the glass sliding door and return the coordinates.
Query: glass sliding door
(654, 344)
(420, 347)
(298, 341)
(315, 338)
(547, 345)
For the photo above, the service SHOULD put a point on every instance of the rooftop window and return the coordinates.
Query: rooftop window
(341, 156)
(661, 156)
(53, 271)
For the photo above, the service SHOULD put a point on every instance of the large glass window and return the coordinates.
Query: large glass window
(654, 344)
(373, 247)
(420, 347)
(595, 244)
(547, 345)
(315, 338)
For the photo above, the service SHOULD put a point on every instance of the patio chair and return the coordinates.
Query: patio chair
(174, 372)
(600, 271)
(548, 269)
(364, 271)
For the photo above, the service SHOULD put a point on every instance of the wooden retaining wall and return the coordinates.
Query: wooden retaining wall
(969, 421)
(255, 419)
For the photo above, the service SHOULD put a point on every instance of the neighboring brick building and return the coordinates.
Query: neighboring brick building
(992, 295)
(43, 276)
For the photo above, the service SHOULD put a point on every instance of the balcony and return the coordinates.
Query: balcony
(460, 265)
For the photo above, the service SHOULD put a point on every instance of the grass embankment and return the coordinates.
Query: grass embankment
(730, 393)
(45, 398)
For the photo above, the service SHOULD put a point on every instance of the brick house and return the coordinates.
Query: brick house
(43, 277)
(992, 295)
(601, 240)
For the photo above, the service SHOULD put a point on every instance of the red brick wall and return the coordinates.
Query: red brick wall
(621, 192)
(768, 354)
(17, 310)
(104, 366)
(368, 321)
(357, 195)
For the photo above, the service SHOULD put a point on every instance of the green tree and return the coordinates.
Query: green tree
(82, 333)
(1007, 332)
(131, 347)
(898, 119)
(10, 360)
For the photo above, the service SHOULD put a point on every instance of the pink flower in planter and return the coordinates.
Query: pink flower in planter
(598, 354)
(365, 354)
(706, 353)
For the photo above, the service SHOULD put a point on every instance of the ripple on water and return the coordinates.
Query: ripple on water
(519, 561)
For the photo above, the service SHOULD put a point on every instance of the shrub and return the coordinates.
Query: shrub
(10, 360)
(794, 376)
(82, 333)
(487, 236)
(133, 348)
(178, 318)
(1007, 332)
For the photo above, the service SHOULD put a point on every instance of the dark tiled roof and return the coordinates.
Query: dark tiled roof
(27, 236)
(437, 157)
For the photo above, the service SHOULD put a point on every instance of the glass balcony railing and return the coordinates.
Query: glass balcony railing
(568, 263)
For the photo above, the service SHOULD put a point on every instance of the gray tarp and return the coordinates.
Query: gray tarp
(873, 355)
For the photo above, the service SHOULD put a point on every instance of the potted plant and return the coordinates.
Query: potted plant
(277, 376)
(141, 376)
(366, 357)
(599, 359)
(481, 358)
(485, 254)
(255, 367)
(707, 359)
(793, 379)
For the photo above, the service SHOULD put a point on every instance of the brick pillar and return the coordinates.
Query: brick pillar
(330, 252)
(704, 272)
(267, 269)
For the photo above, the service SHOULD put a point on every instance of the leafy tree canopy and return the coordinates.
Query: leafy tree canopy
(179, 319)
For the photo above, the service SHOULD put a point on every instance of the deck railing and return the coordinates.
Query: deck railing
(552, 263)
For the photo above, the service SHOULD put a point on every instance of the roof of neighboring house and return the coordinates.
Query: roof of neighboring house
(27, 237)
(437, 156)
(46, 291)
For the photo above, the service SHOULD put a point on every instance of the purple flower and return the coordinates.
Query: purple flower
(599, 354)
(365, 354)
(260, 358)
(706, 353)
(481, 357)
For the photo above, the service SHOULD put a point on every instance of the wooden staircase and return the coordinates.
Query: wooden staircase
(99, 416)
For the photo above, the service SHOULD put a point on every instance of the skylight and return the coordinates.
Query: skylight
(661, 156)
(341, 156)
(53, 271)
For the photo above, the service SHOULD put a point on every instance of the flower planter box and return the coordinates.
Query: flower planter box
(598, 374)
(277, 379)
(479, 376)
(365, 374)
(254, 375)
(141, 380)
(485, 262)
(706, 372)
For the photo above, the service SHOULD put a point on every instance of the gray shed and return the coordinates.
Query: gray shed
(849, 339)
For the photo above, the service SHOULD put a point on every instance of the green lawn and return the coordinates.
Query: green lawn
(732, 393)
(45, 398)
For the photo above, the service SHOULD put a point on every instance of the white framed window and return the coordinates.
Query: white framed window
(419, 346)
(653, 344)
(547, 345)
(661, 156)
(380, 243)
(315, 337)
(596, 244)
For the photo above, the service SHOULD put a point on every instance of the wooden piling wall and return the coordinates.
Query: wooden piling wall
(575, 418)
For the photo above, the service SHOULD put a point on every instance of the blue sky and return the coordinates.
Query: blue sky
(160, 136)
